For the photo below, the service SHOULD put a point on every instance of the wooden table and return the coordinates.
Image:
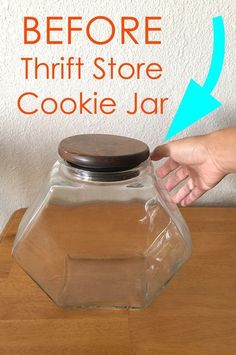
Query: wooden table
(196, 314)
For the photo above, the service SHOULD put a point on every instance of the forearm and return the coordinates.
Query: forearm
(222, 147)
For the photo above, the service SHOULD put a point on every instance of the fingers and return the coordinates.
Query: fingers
(180, 156)
(192, 196)
(188, 194)
(162, 151)
(168, 149)
(176, 178)
(167, 167)
(180, 150)
(182, 193)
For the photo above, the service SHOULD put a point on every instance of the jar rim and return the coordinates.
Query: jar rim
(78, 173)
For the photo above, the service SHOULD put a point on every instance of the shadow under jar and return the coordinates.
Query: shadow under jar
(103, 232)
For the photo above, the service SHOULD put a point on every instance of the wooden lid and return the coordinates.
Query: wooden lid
(103, 152)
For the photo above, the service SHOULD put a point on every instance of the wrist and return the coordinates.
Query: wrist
(221, 147)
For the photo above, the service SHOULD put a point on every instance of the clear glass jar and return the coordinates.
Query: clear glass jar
(102, 237)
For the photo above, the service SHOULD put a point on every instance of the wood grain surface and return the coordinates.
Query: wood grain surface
(196, 314)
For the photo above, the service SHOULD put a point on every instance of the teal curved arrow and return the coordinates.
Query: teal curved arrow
(218, 54)
(197, 101)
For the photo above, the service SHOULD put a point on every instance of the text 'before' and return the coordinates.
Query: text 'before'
(99, 30)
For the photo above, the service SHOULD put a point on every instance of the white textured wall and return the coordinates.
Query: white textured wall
(28, 144)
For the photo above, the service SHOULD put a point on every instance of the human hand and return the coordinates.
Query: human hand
(192, 161)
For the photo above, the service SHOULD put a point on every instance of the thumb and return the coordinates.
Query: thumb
(161, 151)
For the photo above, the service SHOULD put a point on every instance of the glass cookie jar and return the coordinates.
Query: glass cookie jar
(103, 231)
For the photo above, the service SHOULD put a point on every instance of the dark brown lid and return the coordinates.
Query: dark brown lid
(103, 152)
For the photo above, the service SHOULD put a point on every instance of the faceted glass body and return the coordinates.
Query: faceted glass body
(102, 239)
